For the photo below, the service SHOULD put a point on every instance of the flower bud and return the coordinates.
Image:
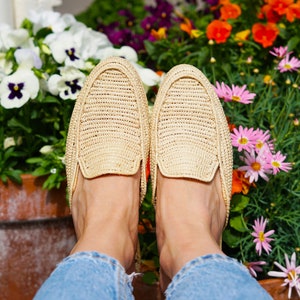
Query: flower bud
(46, 149)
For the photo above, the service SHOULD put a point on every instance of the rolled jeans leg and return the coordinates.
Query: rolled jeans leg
(87, 275)
(215, 277)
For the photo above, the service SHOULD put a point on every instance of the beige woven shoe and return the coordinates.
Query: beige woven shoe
(109, 128)
(190, 136)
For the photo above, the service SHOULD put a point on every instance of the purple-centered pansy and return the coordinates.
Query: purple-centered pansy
(17, 88)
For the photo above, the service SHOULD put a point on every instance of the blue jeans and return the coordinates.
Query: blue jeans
(91, 275)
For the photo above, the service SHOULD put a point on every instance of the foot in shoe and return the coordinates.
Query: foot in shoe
(191, 168)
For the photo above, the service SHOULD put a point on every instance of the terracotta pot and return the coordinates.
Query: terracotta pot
(36, 233)
(144, 291)
(274, 287)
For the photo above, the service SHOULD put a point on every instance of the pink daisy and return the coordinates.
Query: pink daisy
(288, 64)
(240, 94)
(291, 274)
(256, 166)
(280, 52)
(222, 90)
(262, 239)
(276, 162)
(263, 140)
(243, 138)
(254, 267)
(234, 93)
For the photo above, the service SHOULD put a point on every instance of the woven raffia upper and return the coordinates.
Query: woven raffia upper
(190, 132)
(109, 127)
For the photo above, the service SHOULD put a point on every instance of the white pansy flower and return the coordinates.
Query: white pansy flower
(92, 42)
(65, 49)
(12, 38)
(28, 58)
(50, 19)
(68, 84)
(76, 45)
(46, 149)
(17, 88)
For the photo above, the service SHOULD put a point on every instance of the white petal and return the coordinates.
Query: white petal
(53, 84)
(14, 38)
(277, 274)
(129, 53)
(28, 58)
(148, 76)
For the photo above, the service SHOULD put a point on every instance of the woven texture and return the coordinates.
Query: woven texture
(109, 128)
(190, 135)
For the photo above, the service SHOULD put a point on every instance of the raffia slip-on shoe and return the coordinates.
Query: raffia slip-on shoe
(109, 127)
(189, 132)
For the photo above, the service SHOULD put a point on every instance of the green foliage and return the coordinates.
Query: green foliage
(103, 11)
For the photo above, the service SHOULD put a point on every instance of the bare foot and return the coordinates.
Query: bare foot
(190, 217)
(105, 212)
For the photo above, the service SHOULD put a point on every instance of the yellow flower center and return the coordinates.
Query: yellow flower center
(259, 144)
(256, 166)
(261, 236)
(287, 66)
(292, 275)
(275, 164)
(16, 87)
(236, 98)
(243, 141)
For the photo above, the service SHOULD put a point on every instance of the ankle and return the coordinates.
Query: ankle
(105, 212)
(190, 218)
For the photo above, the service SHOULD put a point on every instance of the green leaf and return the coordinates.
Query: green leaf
(293, 42)
(40, 172)
(149, 277)
(15, 123)
(3, 178)
(238, 223)
(239, 202)
(231, 239)
(34, 160)
(43, 32)
(51, 99)
(15, 176)
(150, 47)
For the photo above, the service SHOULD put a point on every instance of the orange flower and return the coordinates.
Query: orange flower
(230, 11)
(219, 31)
(159, 34)
(265, 34)
(188, 27)
(231, 126)
(267, 12)
(280, 6)
(274, 10)
(145, 226)
(240, 184)
(293, 12)
(224, 2)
